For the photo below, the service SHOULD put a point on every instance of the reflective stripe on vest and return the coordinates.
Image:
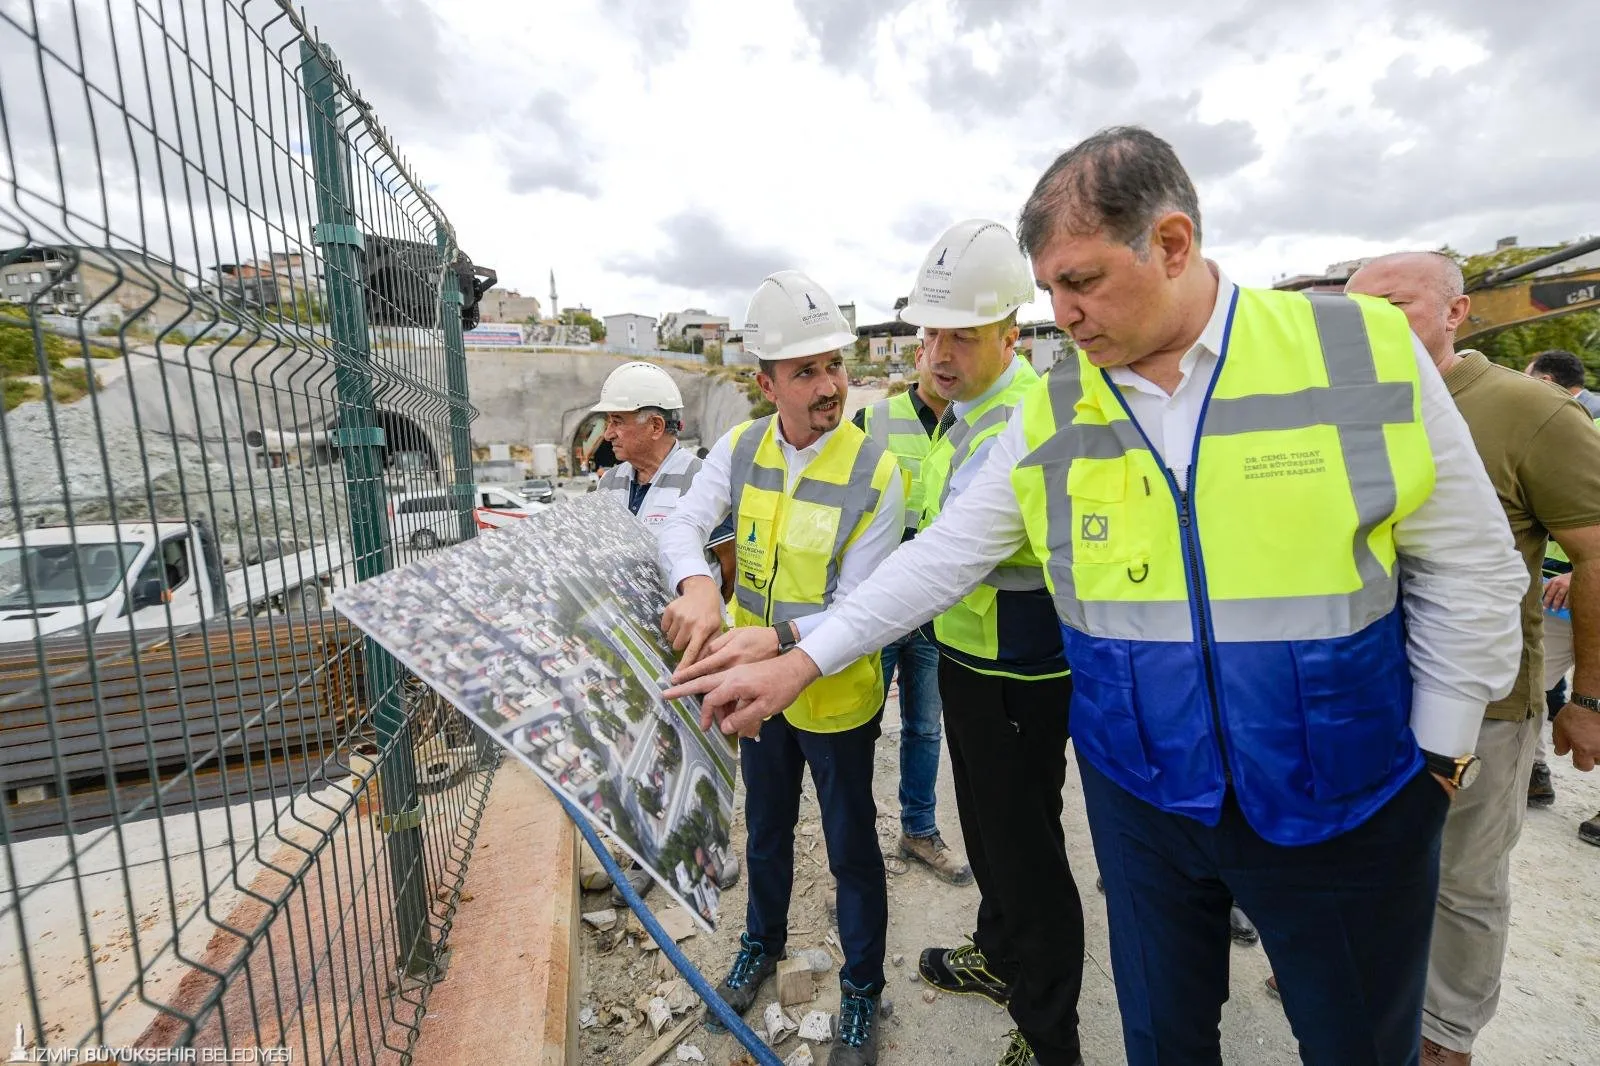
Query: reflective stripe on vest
(669, 485)
(1006, 625)
(788, 542)
(1247, 628)
(894, 426)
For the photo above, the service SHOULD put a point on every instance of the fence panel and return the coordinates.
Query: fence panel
(231, 345)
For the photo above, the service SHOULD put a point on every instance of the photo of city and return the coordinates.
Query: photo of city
(546, 633)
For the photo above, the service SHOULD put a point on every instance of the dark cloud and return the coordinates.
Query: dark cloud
(921, 223)
(1207, 149)
(1107, 67)
(660, 27)
(550, 151)
(401, 53)
(957, 85)
(700, 254)
(844, 29)
(1447, 156)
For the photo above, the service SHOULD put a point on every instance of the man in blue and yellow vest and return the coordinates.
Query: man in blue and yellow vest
(904, 424)
(816, 507)
(1287, 592)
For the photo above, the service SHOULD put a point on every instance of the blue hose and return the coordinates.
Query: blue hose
(730, 1019)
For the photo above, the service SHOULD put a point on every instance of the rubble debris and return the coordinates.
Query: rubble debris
(601, 920)
(679, 996)
(800, 1056)
(689, 1053)
(777, 1023)
(817, 1026)
(794, 982)
(899, 960)
(817, 960)
(660, 1014)
(587, 1018)
(929, 995)
(678, 925)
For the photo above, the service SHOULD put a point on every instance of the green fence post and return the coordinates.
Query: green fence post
(455, 348)
(360, 441)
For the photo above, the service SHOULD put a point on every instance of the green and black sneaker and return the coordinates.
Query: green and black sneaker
(964, 971)
(1017, 1053)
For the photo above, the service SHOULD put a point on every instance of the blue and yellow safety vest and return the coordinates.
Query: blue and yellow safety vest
(1244, 629)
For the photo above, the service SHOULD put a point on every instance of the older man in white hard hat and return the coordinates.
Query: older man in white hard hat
(644, 416)
(816, 507)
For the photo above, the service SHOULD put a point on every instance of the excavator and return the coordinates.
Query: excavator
(1513, 296)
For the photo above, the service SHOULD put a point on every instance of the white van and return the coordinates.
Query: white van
(426, 520)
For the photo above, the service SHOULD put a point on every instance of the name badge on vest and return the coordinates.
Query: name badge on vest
(750, 556)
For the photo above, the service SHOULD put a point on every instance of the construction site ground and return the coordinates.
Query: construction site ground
(1549, 1009)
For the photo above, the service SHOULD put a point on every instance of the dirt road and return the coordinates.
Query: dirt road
(1549, 1009)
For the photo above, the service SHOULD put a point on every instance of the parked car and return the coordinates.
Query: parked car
(427, 519)
(539, 490)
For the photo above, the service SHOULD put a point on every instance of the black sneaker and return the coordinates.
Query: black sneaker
(1589, 832)
(962, 970)
(1240, 927)
(1541, 793)
(750, 968)
(857, 1042)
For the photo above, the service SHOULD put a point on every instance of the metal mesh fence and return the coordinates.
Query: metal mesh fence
(230, 335)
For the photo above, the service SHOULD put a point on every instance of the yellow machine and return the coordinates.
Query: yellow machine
(1513, 297)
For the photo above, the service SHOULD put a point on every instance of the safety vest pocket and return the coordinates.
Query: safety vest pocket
(1104, 720)
(1356, 721)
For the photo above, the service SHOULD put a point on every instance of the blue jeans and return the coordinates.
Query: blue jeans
(920, 712)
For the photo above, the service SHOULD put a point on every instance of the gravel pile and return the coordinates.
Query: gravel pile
(257, 514)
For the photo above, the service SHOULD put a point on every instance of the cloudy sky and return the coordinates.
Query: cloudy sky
(659, 154)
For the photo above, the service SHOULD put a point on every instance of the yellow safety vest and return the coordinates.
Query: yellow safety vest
(1006, 625)
(789, 540)
(1244, 629)
(893, 424)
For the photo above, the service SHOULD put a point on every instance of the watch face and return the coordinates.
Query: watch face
(1470, 773)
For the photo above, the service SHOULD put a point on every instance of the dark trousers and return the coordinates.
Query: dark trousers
(1345, 923)
(1008, 741)
(841, 769)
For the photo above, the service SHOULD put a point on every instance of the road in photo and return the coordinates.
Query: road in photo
(546, 633)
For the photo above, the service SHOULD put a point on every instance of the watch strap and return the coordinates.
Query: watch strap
(1451, 769)
(788, 635)
(1587, 702)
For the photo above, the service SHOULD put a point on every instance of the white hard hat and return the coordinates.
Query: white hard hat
(791, 317)
(632, 386)
(975, 274)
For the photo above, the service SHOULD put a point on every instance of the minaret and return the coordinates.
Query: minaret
(555, 310)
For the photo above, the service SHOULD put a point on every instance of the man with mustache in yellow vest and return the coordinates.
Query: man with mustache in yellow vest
(816, 507)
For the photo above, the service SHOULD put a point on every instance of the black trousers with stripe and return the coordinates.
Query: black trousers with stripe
(1008, 743)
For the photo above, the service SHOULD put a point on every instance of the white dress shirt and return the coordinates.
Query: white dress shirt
(969, 469)
(708, 500)
(1461, 578)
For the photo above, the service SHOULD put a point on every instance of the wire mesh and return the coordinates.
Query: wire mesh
(231, 349)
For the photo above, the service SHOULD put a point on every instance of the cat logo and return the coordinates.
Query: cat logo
(1094, 528)
(941, 257)
(810, 303)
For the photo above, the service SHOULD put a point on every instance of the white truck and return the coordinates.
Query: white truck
(146, 575)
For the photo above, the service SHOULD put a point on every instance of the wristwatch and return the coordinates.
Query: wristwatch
(1461, 771)
(1586, 702)
(788, 635)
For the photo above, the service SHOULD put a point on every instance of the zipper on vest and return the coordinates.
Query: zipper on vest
(772, 582)
(1191, 547)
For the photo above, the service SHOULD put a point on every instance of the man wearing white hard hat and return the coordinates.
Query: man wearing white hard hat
(1003, 678)
(816, 507)
(644, 415)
